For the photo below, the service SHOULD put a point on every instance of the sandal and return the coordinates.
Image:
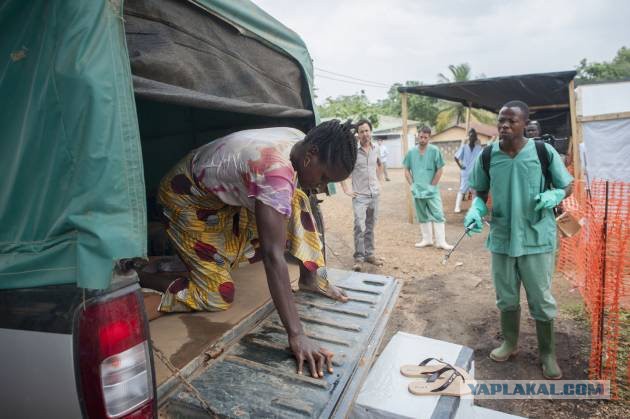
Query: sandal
(422, 369)
(455, 385)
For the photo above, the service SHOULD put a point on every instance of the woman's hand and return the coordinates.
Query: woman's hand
(305, 351)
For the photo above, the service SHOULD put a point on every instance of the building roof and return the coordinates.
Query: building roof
(390, 123)
(385, 123)
(485, 129)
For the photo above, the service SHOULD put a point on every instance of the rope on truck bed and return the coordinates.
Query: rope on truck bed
(176, 371)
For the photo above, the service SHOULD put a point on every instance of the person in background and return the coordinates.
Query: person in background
(383, 152)
(364, 192)
(522, 236)
(465, 158)
(533, 130)
(423, 170)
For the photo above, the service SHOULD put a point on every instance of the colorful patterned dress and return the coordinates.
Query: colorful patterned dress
(208, 200)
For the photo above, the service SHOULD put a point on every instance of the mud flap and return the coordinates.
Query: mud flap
(256, 375)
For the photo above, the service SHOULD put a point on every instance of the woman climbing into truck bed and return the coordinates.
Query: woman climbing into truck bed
(239, 199)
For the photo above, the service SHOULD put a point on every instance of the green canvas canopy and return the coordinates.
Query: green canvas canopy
(72, 192)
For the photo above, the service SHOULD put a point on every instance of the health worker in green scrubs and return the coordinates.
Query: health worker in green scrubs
(423, 170)
(522, 235)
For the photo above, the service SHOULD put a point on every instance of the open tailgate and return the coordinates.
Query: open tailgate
(255, 375)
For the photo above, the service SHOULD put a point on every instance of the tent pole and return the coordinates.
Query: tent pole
(467, 119)
(602, 295)
(405, 148)
(467, 125)
(575, 137)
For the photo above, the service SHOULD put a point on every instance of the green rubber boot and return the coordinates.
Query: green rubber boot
(547, 350)
(510, 321)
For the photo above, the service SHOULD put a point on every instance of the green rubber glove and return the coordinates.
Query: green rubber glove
(549, 199)
(477, 210)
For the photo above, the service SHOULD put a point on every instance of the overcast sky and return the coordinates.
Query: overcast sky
(388, 41)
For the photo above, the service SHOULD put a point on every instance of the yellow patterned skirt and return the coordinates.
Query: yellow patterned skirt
(213, 238)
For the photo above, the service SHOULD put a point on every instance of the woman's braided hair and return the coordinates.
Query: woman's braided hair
(335, 142)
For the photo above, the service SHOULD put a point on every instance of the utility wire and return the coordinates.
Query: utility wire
(354, 82)
(350, 77)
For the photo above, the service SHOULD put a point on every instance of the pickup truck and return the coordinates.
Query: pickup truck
(104, 99)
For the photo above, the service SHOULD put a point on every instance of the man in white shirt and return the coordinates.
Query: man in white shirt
(383, 152)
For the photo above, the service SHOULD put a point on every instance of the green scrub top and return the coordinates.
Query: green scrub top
(516, 228)
(423, 168)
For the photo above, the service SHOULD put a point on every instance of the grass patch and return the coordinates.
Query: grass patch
(623, 355)
(576, 312)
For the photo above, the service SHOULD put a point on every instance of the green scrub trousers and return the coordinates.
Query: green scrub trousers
(430, 209)
(535, 272)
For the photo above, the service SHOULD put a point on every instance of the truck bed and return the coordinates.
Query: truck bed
(249, 371)
(183, 336)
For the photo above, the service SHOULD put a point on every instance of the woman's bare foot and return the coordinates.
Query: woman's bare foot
(329, 291)
(312, 282)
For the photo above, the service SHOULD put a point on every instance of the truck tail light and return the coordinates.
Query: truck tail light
(114, 359)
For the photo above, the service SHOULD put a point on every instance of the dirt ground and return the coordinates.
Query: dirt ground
(456, 302)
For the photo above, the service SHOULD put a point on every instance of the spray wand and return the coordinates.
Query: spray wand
(448, 255)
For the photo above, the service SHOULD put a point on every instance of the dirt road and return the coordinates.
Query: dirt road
(456, 302)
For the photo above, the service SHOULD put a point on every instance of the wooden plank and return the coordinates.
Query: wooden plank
(549, 107)
(465, 139)
(405, 149)
(604, 117)
(575, 137)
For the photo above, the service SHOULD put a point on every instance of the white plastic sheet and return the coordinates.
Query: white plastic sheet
(607, 149)
(603, 98)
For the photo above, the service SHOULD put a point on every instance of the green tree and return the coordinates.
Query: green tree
(617, 69)
(354, 107)
(459, 72)
(453, 112)
(419, 108)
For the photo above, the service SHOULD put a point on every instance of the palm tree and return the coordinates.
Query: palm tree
(460, 72)
(456, 111)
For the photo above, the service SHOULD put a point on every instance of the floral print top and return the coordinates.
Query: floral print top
(249, 165)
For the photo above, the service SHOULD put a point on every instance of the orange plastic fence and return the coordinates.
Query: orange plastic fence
(596, 261)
